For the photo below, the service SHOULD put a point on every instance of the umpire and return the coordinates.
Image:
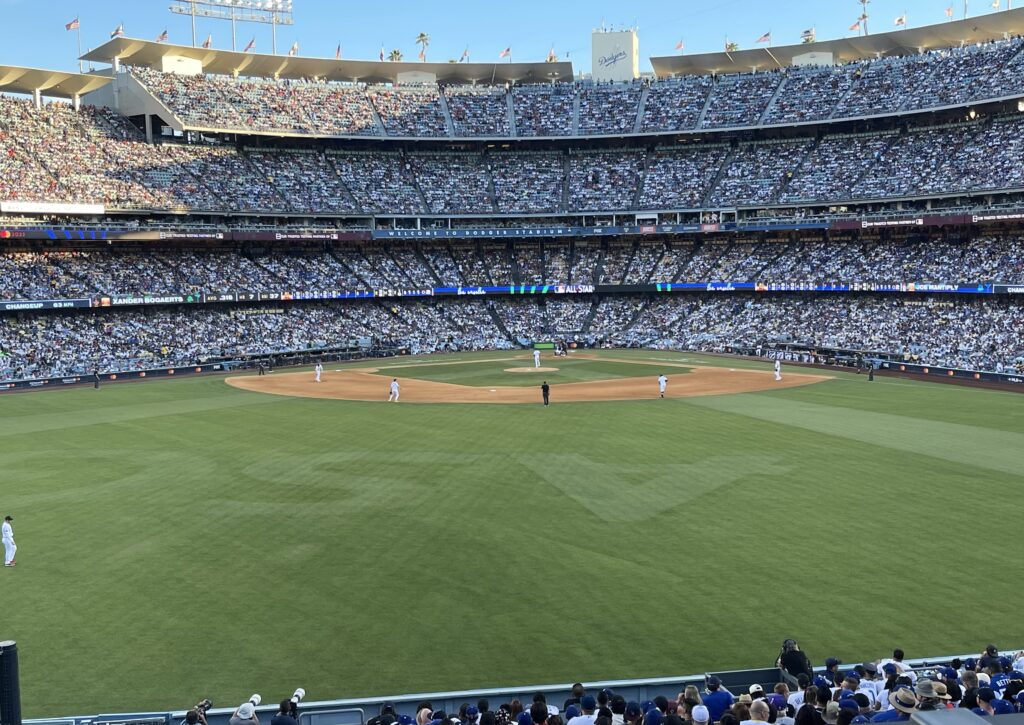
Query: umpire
(545, 390)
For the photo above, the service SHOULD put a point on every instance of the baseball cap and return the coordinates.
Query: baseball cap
(8, 518)
(472, 711)
(848, 703)
(646, 705)
(246, 710)
(832, 662)
(755, 688)
(1002, 707)
(633, 709)
(858, 720)
(700, 714)
(986, 694)
(949, 673)
(587, 702)
(406, 720)
(653, 717)
(889, 668)
(970, 664)
(714, 681)
(820, 681)
(870, 667)
(992, 649)
(777, 701)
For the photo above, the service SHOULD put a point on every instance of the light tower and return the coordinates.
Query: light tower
(864, 15)
(271, 12)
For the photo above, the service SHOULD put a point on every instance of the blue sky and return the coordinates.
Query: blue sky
(32, 31)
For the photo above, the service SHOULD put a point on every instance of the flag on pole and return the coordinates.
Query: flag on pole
(679, 45)
(337, 52)
(551, 55)
(856, 26)
(208, 43)
(73, 25)
(118, 32)
(251, 45)
(162, 37)
(949, 12)
(465, 55)
(382, 53)
(422, 55)
(901, 20)
(766, 38)
(505, 53)
(808, 35)
(294, 50)
(995, 4)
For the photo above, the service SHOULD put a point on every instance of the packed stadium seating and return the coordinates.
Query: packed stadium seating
(933, 79)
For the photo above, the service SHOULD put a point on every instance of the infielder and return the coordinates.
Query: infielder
(778, 369)
(318, 370)
(393, 395)
(662, 384)
(536, 358)
(10, 548)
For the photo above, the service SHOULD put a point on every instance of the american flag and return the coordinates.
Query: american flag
(680, 45)
(162, 37)
(73, 25)
(465, 56)
(337, 52)
(949, 12)
(118, 32)
(382, 53)
(901, 20)
(505, 53)
(294, 50)
(250, 46)
(855, 26)
(766, 38)
(208, 43)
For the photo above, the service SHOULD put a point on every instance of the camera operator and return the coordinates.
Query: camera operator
(284, 714)
(244, 715)
(195, 716)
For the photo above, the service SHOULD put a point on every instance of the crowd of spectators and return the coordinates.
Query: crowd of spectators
(479, 110)
(57, 274)
(952, 76)
(57, 154)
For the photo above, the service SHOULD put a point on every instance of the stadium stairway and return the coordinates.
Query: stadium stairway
(641, 104)
(771, 101)
(709, 194)
(642, 177)
(706, 106)
(511, 115)
(576, 114)
(448, 122)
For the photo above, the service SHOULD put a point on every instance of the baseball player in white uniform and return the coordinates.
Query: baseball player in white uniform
(662, 384)
(536, 358)
(778, 369)
(318, 370)
(10, 548)
(393, 395)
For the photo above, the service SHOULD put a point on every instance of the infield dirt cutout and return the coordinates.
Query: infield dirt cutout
(361, 383)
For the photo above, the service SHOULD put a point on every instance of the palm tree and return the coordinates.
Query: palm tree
(423, 40)
(395, 56)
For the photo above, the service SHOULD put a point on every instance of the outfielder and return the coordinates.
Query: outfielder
(393, 395)
(536, 358)
(662, 384)
(778, 369)
(318, 370)
(10, 548)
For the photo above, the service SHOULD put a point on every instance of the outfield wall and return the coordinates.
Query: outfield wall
(355, 711)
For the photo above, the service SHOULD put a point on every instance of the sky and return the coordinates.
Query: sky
(32, 32)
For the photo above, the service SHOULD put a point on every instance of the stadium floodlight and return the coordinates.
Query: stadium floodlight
(271, 12)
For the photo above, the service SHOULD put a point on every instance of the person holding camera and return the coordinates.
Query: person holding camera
(245, 715)
(284, 714)
(196, 716)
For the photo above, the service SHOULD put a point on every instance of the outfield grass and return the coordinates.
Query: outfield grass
(181, 539)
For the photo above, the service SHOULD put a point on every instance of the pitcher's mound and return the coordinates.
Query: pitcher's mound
(531, 370)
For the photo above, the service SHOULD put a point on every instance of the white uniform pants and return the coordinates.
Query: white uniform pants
(10, 549)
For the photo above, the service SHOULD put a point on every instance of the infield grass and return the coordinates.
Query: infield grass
(181, 539)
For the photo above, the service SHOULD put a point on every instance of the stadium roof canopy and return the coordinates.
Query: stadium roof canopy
(149, 54)
(51, 83)
(991, 26)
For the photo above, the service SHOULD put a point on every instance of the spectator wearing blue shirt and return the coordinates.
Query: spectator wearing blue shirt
(903, 703)
(717, 699)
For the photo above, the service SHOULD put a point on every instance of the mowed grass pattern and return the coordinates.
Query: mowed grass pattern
(184, 538)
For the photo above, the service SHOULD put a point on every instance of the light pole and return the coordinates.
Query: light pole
(271, 12)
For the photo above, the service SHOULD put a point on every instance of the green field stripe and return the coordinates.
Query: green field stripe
(107, 415)
(990, 449)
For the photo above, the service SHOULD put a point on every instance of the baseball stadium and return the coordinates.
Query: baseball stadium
(514, 393)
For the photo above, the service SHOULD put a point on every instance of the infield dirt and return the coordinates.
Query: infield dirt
(364, 385)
